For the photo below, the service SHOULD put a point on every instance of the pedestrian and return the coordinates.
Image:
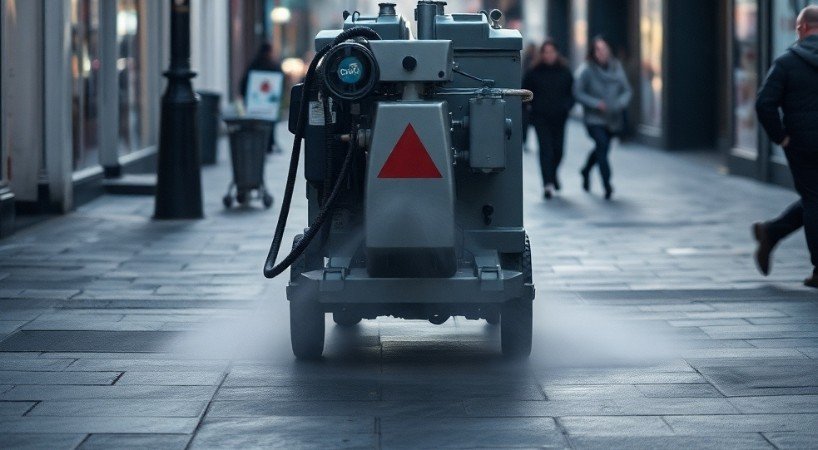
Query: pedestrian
(552, 83)
(264, 61)
(530, 59)
(604, 92)
(791, 87)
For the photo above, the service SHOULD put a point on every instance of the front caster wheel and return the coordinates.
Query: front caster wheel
(516, 326)
(241, 197)
(493, 319)
(306, 329)
(345, 319)
(227, 201)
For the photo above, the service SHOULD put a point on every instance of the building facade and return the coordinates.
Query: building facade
(81, 85)
(695, 65)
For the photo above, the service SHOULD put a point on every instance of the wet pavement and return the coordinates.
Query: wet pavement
(652, 329)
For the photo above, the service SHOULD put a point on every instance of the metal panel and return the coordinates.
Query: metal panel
(487, 134)
(421, 209)
(432, 59)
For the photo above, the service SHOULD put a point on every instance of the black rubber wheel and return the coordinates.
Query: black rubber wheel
(306, 318)
(241, 197)
(517, 316)
(227, 201)
(493, 319)
(345, 319)
(306, 329)
(267, 200)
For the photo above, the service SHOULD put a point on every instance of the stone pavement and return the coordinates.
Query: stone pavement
(652, 329)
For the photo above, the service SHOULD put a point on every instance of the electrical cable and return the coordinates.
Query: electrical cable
(271, 269)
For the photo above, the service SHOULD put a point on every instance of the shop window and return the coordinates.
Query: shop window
(579, 21)
(745, 74)
(129, 76)
(85, 74)
(651, 49)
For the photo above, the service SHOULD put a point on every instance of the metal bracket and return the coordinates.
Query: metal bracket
(332, 279)
(489, 272)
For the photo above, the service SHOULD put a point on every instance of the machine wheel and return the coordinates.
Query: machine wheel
(306, 328)
(241, 197)
(493, 319)
(306, 318)
(345, 319)
(516, 317)
(267, 200)
(227, 201)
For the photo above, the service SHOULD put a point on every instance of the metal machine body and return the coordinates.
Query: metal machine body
(428, 221)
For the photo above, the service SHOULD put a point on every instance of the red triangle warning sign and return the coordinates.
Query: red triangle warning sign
(409, 159)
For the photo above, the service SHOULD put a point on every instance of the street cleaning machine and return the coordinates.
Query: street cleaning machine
(413, 167)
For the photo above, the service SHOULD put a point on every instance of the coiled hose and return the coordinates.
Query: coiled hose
(271, 269)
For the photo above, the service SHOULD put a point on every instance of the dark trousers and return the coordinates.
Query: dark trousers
(599, 155)
(271, 146)
(804, 212)
(551, 139)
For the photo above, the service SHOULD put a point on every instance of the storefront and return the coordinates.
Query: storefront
(81, 93)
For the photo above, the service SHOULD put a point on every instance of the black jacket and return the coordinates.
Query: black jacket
(553, 91)
(792, 86)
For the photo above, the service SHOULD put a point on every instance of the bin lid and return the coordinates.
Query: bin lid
(247, 120)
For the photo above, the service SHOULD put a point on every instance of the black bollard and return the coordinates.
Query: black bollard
(178, 180)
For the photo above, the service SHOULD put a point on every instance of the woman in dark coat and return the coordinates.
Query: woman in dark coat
(551, 82)
(263, 61)
(604, 92)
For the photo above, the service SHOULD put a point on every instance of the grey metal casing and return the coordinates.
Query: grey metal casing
(433, 59)
(410, 212)
(487, 134)
(484, 52)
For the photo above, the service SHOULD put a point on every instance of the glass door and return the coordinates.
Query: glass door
(745, 75)
(129, 76)
(651, 33)
(85, 75)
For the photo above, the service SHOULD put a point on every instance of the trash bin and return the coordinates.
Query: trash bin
(249, 138)
(208, 117)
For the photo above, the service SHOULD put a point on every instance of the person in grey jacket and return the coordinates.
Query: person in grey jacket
(604, 92)
(787, 107)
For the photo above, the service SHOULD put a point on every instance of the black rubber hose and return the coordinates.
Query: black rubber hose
(271, 269)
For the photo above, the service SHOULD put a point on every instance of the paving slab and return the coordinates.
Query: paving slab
(64, 377)
(464, 433)
(335, 408)
(743, 441)
(75, 392)
(792, 440)
(119, 408)
(735, 423)
(764, 380)
(678, 390)
(87, 341)
(616, 426)
(62, 425)
(287, 432)
(99, 441)
(37, 441)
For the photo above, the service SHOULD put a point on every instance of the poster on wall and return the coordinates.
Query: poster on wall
(263, 94)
